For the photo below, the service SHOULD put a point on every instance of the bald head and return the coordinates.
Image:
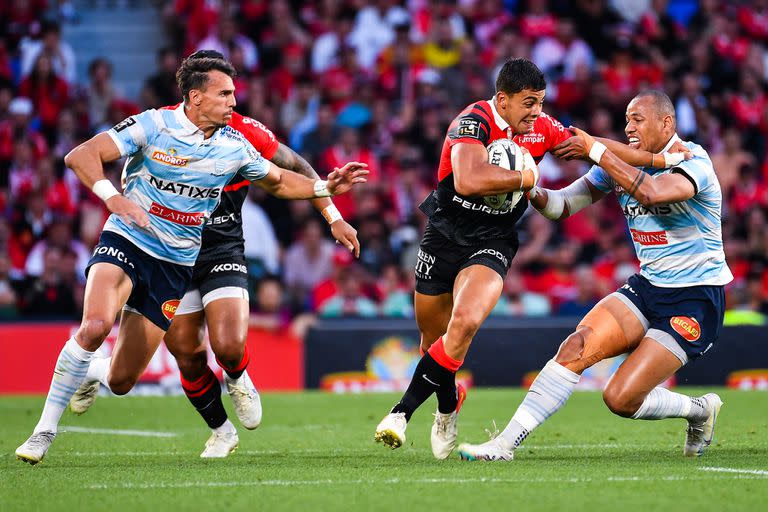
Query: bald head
(660, 101)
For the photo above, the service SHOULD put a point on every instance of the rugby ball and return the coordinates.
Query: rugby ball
(505, 153)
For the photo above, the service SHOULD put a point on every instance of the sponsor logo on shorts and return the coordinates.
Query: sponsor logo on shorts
(229, 267)
(165, 158)
(494, 253)
(169, 308)
(113, 253)
(184, 189)
(177, 217)
(424, 264)
(686, 326)
(469, 205)
(649, 237)
(629, 289)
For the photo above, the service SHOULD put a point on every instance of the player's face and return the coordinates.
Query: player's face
(218, 99)
(521, 109)
(644, 125)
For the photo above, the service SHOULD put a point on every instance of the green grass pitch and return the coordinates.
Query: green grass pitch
(315, 451)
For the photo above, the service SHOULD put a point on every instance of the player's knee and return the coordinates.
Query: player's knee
(465, 322)
(93, 331)
(620, 401)
(572, 348)
(192, 366)
(121, 384)
(229, 349)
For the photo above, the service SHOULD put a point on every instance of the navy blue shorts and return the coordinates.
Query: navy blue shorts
(686, 320)
(158, 285)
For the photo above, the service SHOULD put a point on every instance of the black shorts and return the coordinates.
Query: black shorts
(440, 260)
(686, 320)
(158, 285)
(210, 275)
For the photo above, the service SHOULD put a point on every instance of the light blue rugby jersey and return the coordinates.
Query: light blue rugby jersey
(177, 175)
(678, 244)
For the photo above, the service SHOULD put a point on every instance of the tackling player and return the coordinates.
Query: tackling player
(218, 296)
(468, 247)
(669, 313)
(179, 161)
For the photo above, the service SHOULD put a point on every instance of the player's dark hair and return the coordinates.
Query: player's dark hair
(661, 102)
(193, 72)
(518, 74)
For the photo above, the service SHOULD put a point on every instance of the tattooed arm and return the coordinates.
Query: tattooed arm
(344, 234)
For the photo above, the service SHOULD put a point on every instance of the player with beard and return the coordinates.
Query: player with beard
(179, 160)
(218, 298)
(468, 247)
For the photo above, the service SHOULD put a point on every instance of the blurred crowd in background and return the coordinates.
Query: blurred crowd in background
(379, 82)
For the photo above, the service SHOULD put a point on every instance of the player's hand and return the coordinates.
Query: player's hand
(346, 235)
(538, 198)
(573, 148)
(530, 173)
(676, 154)
(342, 180)
(129, 212)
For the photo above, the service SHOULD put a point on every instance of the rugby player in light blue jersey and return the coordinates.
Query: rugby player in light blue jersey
(179, 160)
(669, 313)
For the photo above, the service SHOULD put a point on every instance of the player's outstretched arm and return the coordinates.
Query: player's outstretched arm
(562, 203)
(573, 148)
(289, 185)
(648, 190)
(87, 161)
(473, 175)
(342, 231)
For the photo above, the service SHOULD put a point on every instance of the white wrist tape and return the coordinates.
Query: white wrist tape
(555, 204)
(331, 214)
(576, 196)
(596, 153)
(321, 189)
(673, 159)
(104, 189)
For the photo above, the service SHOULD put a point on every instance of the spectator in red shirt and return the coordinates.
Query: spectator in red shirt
(48, 91)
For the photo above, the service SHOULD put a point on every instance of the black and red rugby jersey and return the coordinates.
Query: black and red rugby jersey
(468, 220)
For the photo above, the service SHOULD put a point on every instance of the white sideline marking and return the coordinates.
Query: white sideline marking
(279, 483)
(118, 432)
(760, 472)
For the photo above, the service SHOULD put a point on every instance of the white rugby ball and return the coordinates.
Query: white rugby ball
(505, 153)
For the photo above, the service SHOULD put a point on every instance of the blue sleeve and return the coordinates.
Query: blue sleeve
(600, 179)
(135, 132)
(254, 166)
(698, 170)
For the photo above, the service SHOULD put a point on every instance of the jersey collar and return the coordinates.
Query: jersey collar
(674, 139)
(181, 116)
(500, 122)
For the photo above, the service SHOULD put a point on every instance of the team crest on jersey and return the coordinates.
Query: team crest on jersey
(169, 308)
(687, 327)
(125, 123)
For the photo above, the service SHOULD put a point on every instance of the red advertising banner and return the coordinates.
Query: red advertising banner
(28, 354)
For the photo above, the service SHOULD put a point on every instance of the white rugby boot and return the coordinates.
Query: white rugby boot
(699, 435)
(391, 430)
(220, 444)
(84, 397)
(246, 400)
(493, 450)
(444, 428)
(34, 449)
